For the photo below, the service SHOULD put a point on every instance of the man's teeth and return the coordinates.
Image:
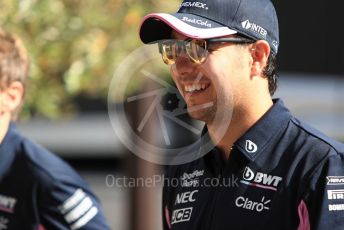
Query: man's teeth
(195, 87)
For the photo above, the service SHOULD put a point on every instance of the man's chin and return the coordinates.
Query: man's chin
(201, 115)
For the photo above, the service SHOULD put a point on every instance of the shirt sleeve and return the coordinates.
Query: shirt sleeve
(68, 203)
(326, 199)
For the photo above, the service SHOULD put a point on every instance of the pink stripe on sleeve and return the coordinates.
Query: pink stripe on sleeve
(167, 216)
(303, 216)
(41, 227)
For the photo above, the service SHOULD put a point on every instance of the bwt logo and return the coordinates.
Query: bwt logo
(186, 197)
(195, 4)
(181, 215)
(261, 178)
(254, 27)
(7, 203)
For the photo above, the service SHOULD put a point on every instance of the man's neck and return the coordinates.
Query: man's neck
(242, 120)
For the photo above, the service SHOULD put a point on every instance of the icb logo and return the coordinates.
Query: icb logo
(181, 215)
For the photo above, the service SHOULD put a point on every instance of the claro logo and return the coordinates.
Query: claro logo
(262, 180)
(248, 204)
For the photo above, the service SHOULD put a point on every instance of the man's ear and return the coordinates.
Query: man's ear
(260, 52)
(12, 96)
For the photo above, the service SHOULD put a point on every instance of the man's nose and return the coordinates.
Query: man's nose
(184, 65)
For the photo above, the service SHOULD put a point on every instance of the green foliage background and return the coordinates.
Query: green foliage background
(75, 46)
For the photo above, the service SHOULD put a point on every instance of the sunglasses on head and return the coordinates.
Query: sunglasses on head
(195, 49)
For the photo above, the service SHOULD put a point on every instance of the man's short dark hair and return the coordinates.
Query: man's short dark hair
(270, 72)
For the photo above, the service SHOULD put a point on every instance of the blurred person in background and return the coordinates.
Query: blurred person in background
(289, 175)
(38, 190)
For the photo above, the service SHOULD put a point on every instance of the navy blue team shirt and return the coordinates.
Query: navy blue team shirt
(38, 190)
(281, 174)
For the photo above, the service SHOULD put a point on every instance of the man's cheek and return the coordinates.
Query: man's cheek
(175, 80)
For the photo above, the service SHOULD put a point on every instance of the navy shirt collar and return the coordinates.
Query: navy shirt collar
(265, 132)
(8, 149)
(10, 135)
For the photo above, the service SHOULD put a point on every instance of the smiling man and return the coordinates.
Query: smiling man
(222, 56)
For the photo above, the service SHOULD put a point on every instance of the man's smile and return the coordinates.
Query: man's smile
(197, 87)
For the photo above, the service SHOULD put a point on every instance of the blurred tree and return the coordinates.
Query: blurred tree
(75, 46)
